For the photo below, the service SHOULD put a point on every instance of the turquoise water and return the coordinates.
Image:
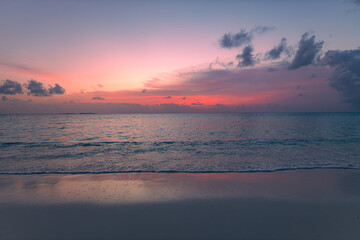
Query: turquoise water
(96, 143)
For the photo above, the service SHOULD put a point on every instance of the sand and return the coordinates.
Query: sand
(297, 204)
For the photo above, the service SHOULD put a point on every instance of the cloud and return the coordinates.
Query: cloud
(217, 64)
(312, 76)
(196, 104)
(4, 98)
(307, 51)
(262, 29)
(99, 85)
(98, 98)
(56, 90)
(357, 2)
(246, 59)
(235, 81)
(168, 97)
(10, 87)
(37, 89)
(276, 52)
(346, 75)
(230, 40)
(144, 91)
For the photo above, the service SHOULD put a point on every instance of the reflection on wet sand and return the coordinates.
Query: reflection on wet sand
(301, 204)
(314, 185)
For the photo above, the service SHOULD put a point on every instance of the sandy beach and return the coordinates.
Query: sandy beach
(296, 204)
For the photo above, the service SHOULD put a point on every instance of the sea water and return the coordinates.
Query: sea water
(98, 143)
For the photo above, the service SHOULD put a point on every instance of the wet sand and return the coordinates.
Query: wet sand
(297, 204)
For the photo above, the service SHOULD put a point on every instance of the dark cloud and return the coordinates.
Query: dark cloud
(10, 87)
(276, 52)
(168, 97)
(98, 98)
(183, 98)
(144, 91)
(246, 58)
(196, 104)
(56, 90)
(346, 75)
(307, 51)
(357, 2)
(230, 40)
(36, 89)
(4, 98)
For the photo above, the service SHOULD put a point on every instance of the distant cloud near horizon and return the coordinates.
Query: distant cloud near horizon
(37, 89)
(56, 90)
(307, 52)
(10, 87)
(98, 98)
(196, 104)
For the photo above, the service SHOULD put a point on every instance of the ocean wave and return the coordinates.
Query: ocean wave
(183, 171)
(253, 141)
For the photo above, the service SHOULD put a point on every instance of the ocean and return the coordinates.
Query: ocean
(106, 143)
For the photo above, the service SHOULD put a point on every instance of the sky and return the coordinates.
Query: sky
(179, 56)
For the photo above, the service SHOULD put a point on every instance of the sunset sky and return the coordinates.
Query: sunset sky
(179, 56)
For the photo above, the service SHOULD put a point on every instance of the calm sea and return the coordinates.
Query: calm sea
(97, 143)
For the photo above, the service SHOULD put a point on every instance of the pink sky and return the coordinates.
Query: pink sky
(137, 53)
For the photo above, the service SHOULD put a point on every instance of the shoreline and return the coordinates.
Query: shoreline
(295, 204)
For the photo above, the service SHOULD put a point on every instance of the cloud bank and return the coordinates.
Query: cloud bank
(346, 75)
